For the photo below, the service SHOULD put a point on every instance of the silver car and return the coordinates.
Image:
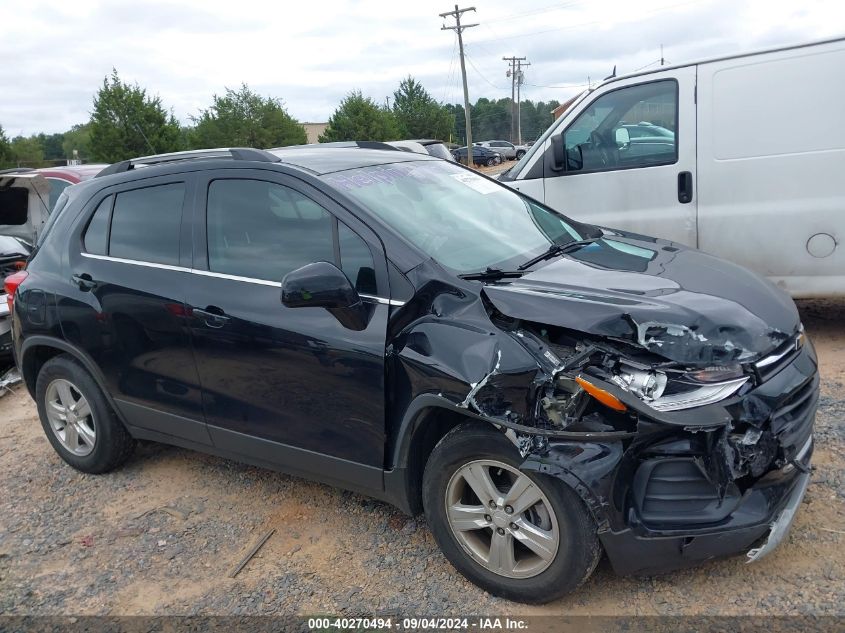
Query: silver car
(506, 149)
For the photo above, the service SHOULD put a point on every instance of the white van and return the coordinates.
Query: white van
(742, 157)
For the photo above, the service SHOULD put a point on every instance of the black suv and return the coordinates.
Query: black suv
(391, 323)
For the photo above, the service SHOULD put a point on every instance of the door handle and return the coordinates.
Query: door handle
(84, 281)
(685, 187)
(212, 315)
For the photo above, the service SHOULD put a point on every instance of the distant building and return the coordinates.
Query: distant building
(313, 131)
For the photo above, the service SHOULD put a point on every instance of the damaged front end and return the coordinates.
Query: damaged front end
(680, 455)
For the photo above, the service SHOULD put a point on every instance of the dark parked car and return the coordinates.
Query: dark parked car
(544, 390)
(480, 156)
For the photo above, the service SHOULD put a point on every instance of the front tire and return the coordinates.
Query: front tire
(78, 420)
(491, 162)
(523, 536)
(520, 154)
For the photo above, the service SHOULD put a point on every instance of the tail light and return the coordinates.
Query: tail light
(11, 284)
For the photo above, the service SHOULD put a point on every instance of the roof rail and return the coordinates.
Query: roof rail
(343, 144)
(235, 153)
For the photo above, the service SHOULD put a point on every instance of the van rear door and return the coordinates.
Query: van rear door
(629, 157)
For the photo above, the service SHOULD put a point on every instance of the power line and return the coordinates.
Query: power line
(480, 74)
(591, 23)
(525, 14)
(565, 86)
(451, 70)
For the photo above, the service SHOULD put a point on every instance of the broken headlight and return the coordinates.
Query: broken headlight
(673, 391)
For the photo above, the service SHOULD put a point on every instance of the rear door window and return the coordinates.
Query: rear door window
(145, 224)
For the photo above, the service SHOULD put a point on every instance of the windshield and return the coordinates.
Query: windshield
(464, 221)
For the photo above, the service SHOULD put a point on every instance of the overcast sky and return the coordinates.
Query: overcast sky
(310, 54)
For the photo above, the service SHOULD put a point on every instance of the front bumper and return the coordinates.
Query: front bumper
(755, 527)
(675, 497)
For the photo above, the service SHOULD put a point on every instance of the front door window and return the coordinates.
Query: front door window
(627, 128)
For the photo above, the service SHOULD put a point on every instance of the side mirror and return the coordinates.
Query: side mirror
(623, 137)
(558, 153)
(323, 285)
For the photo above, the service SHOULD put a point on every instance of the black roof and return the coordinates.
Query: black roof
(325, 160)
(313, 159)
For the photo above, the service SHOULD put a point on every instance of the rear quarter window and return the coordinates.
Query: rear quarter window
(96, 238)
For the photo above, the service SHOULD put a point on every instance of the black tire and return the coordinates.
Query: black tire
(113, 444)
(520, 154)
(578, 552)
(491, 162)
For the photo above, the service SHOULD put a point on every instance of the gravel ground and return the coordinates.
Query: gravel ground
(161, 535)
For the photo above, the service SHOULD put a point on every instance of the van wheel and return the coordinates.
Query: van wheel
(523, 536)
(78, 420)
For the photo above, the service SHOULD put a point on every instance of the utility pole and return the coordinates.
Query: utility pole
(459, 29)
(512, 73)
(519, 78)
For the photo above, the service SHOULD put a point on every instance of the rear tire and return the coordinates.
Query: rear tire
(78, 420)
(563, 549)
(520, 154)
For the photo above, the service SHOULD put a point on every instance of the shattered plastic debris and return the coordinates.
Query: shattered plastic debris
(470, 399)
(11, 377)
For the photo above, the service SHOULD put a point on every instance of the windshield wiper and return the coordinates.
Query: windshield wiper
(558, 249)
(491, 274)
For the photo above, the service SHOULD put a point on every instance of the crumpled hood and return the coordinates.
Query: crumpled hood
(677, 302)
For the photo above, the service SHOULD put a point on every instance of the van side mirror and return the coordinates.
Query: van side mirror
(623, 137)
(558, 153)
(323, 285)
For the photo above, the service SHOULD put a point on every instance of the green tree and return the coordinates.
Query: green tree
(5, 150)
(27, 152)
(126, 122)
(243, 118)
(491, 119)
(52, 145)
(77, 138)
(358, 118)
(418, 114)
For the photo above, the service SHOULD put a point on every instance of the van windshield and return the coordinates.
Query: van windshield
(464, 221)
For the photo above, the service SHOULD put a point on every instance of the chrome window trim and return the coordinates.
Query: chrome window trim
(208, 273)
(136, 262)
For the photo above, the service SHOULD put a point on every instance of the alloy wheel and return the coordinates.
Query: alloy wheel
(70, 417)
(502, 519)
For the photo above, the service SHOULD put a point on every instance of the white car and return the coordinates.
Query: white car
(506, 149)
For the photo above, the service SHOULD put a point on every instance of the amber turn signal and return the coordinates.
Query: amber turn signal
(601, 395)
